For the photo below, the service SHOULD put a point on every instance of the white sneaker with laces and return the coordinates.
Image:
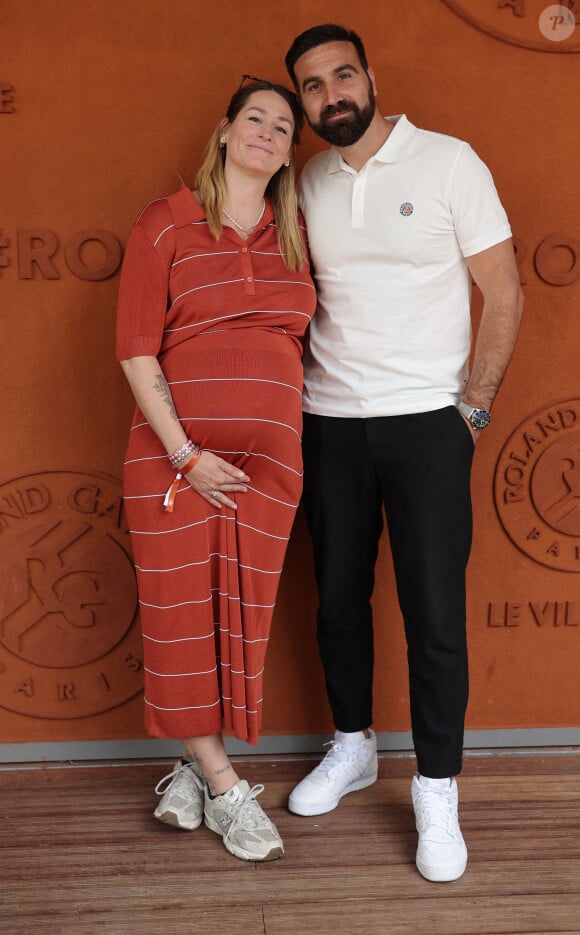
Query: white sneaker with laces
(441, 852)
(345, 768)
(182, 791)
(247, 831)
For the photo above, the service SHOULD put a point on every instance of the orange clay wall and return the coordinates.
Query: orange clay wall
(103, 105)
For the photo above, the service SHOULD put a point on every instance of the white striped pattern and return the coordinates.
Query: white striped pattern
(293, 504)
(207, 636)
(283, 425)
(204, 600)
(201, 256)
(287, 386)
(179, 675)
(170, 227)
(185, 639)
(190, 707)
(238, 315)
(209, 285)
(166, 532)
(206, 561)
(207, 591)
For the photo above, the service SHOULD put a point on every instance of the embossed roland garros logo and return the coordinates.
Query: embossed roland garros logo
(533, 24)
(69, 645)
(537, 486)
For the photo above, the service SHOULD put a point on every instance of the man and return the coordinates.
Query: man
(399, 219)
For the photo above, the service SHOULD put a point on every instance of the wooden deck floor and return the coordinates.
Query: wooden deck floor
(81, 853)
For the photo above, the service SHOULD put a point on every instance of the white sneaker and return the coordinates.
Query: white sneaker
(247, 831)
(441, 853)
(345, 768)
(182, 791)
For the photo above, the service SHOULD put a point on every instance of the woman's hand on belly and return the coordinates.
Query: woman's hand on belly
(213, 478)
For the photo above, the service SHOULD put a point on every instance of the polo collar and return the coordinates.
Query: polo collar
(185, 207)
(393, 149)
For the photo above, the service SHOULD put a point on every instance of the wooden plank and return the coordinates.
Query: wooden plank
(276, 883)
(124, 920)
(82, 853)
(374, 916)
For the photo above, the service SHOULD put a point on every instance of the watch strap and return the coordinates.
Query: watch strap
(478, 418)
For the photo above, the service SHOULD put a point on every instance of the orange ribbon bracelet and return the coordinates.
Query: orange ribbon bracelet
(169, 499)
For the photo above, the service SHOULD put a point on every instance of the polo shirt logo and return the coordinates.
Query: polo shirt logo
(406, 209)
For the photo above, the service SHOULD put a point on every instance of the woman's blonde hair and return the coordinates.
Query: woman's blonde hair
(210, 183)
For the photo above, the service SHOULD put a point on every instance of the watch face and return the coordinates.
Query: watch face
(480, 418)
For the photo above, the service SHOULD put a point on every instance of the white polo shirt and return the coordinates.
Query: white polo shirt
(392, 331)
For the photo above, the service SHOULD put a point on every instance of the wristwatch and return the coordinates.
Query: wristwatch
(479, 418)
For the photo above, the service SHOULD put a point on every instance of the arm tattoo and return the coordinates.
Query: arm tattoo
(162, 387)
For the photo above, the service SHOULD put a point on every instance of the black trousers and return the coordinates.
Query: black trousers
(419, 467)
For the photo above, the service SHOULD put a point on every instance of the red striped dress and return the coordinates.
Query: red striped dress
(224, 320)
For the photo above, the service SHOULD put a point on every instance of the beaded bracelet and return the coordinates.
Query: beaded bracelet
(182, 453)
(186, 468)
(169, 499)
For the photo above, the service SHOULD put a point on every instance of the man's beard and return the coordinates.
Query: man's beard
(349, 129)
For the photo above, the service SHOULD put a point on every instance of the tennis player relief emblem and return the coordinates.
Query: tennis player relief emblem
(537, 486)
(530, 24)
(69, 644)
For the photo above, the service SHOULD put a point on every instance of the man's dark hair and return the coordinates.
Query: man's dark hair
(319, 35)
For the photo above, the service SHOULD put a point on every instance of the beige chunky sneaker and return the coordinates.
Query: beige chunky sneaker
(182, 791)
(247, 831)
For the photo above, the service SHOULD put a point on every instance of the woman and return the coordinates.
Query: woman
(215, 295)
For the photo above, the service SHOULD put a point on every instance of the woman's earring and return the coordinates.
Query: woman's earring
(223, 140)
(287, 163)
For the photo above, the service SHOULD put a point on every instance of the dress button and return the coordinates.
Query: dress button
(250, 279)
(244, 249)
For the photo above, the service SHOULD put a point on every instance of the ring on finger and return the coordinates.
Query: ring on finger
(214, 494)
